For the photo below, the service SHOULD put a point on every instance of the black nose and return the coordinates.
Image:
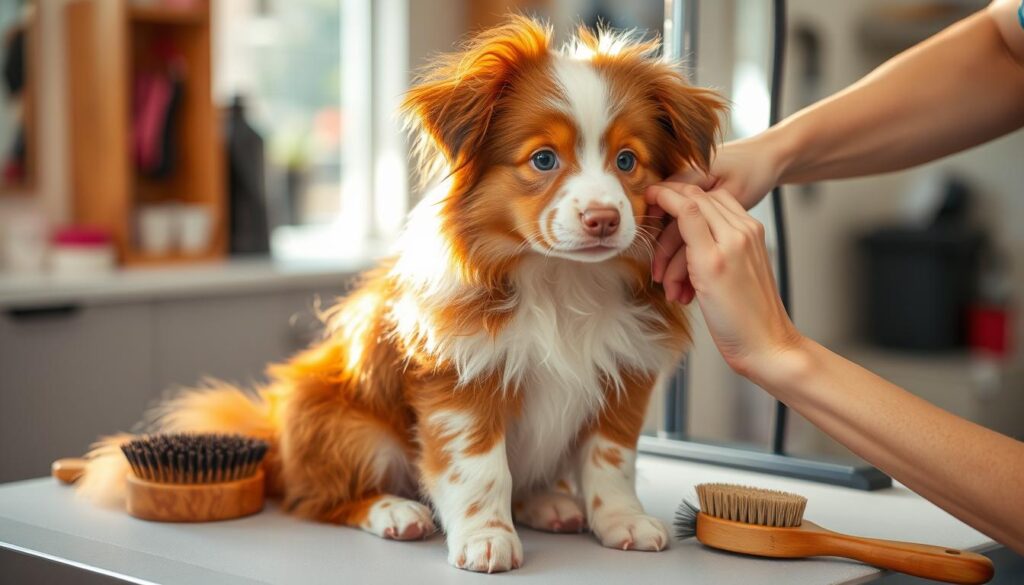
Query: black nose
(600, 222)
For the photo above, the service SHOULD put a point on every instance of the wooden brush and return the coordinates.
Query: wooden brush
(194, 477)
(187, 477)
(770, 523)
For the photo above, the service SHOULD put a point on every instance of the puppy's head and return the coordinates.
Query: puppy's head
(550, 151)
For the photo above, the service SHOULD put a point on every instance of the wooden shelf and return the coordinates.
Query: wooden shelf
(110, 43)
(141, 260)
(158, 14)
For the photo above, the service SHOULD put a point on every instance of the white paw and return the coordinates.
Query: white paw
(399, 519)
(489, 550)
(630, 532)
(551, 512)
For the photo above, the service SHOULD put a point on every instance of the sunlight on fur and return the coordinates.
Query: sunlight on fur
(503, 358)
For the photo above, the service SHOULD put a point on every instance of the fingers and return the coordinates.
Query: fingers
(676, 277)
(742, 221)
(719, 220)
(726, 200)
(688, 293)
(693, 226)
(707, 229)
(669, 242)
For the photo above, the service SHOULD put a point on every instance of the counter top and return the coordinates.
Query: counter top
(40, 517)
(143, 284)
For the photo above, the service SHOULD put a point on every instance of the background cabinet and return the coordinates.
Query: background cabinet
(231, 338)
(69, 374)
(66, 377)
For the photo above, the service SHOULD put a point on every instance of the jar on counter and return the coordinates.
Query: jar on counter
(79, 250)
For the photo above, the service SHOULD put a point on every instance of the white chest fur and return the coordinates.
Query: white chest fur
(573, 331)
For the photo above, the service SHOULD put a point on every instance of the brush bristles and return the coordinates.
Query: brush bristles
(751, 505)
(686, 520)
(194, 458)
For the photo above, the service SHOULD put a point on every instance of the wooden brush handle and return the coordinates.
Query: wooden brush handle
(921, 560)
(810, 540)
(68, 470)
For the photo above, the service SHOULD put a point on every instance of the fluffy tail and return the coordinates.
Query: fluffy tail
(214, 407)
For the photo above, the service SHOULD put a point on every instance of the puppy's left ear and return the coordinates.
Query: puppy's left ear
(691, 116)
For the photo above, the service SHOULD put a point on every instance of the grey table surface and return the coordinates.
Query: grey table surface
(40, 517)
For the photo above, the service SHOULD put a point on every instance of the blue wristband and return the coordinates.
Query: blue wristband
(1020, 14)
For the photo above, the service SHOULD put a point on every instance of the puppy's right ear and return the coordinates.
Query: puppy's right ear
(452, 105)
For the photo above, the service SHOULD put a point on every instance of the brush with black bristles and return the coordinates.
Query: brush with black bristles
(191, 458)
(194, 477)
(770, 523)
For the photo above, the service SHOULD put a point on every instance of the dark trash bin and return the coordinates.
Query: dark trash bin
(918, 283)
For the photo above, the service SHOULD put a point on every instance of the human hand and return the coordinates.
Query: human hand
(721, 260)
(748, 169)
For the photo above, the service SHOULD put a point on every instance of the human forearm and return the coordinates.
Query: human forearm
(972, 472)
(954, 91)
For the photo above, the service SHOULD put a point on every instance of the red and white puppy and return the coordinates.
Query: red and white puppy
(500, 365)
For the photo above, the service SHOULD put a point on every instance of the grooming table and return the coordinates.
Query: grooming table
(41, 518)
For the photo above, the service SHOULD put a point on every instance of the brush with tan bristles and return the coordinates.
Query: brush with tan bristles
(769, 523)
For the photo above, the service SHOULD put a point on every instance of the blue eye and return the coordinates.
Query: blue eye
(544, 160)
(626, 161)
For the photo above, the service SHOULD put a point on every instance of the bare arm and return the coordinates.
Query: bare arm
(971, 472)
(956, 90)
(962, 87)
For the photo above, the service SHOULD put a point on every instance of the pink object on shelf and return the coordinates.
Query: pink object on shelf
(82, 250)
(152, 98)
(80, 236)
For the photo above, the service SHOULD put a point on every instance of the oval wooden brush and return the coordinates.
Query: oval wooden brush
(194, 477)
(770, 523)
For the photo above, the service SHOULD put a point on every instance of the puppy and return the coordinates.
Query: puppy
(499, 366)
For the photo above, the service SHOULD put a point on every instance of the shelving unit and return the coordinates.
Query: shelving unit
(160, 14)
(109, 44)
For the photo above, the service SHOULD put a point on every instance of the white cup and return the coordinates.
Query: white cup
(195, 223)
(157, 228)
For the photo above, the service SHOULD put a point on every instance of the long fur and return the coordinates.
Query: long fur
(500, 364)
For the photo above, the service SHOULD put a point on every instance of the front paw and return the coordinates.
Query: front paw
(630, 531)
(397, 518)
(487, 550)
(550, 512)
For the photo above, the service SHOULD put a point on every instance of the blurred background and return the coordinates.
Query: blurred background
(184, 182)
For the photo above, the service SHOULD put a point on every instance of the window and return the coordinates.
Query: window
(337, 176)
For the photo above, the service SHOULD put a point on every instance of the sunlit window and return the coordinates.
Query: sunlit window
(336, 176)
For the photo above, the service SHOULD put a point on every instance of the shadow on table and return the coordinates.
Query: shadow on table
(21, 569)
